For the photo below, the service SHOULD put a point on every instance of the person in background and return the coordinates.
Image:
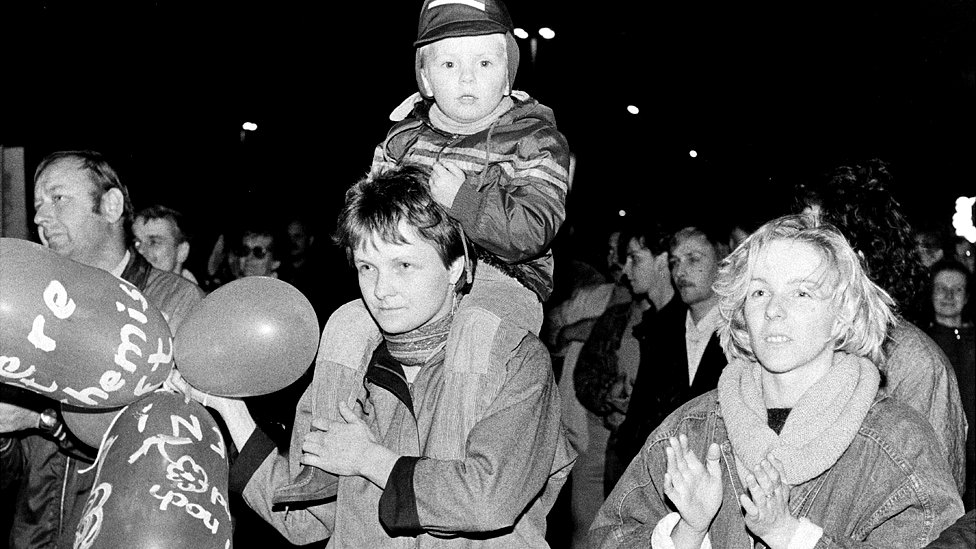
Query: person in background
(609, 363)
(162, 238)
(964, 252)
(82, 212)
(681, 357)
(857, 200)
(930, 246)
(952, 328)
(796, 447)
(257, 253)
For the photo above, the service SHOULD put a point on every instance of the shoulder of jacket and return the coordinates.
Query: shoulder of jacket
(690, 417)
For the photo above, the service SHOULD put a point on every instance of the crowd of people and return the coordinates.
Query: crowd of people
(806, 380)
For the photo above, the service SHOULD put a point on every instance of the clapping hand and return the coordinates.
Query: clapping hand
(767, 505)
(694, 488)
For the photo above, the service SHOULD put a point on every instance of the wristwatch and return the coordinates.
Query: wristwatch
(48, 421)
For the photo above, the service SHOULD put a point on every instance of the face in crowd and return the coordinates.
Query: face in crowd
(255, 256)
(789, 311)
(467, 75)
(694, 266)
(949, 294)
(158, 241)
(644, 270)
(70, 219)
(299, 239)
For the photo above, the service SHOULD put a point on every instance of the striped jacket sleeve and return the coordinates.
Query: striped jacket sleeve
(515, 207)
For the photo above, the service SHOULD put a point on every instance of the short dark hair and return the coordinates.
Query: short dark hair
(158, 211)
(261, 229)
(650, 234)
(376, 204)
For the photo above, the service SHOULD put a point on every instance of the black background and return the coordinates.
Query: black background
(768, 93)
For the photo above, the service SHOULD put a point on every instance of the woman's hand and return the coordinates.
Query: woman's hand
(347, 447)
(695, 489)
(767, 505)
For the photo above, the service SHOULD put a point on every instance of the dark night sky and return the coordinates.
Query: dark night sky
(768, 93)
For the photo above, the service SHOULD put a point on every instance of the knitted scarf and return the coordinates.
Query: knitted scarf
(442, 122)
(413, 348)
(818, 430)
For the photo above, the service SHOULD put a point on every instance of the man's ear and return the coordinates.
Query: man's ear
(112, 205)
(274, 266)
(456, 270)
(182, 252)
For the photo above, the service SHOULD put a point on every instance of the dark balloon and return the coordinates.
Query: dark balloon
(250, 337)
(88, 424)
(160, 480)
(75, 333)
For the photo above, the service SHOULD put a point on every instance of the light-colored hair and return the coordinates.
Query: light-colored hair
(102, 177)
(864, 310)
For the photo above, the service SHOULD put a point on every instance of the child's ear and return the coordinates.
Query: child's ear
(428, 91)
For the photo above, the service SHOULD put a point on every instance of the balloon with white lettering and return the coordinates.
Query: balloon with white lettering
(75, 333)
(160, 480)
(252, 336)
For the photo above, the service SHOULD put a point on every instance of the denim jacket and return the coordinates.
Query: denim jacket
(891, 488)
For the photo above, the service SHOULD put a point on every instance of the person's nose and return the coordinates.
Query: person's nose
(42, 215)
(774, 308)
(467, 74)
(384, 286)
(678, 271)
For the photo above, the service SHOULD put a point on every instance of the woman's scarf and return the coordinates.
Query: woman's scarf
(818, 430)
(413, 348)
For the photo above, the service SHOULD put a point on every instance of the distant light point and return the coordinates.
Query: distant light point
(693, 153)
(547, 33)
(520, 33)
(632, 109)
(249, 126)
(622, 213)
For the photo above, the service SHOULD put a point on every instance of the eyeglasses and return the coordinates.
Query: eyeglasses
(258, 251)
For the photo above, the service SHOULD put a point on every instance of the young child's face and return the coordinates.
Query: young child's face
(467, 75)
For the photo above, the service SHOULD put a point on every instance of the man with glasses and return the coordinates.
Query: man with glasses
(161, 237)
(257, 253)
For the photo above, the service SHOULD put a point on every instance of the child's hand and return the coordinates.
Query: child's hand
(445, 182)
